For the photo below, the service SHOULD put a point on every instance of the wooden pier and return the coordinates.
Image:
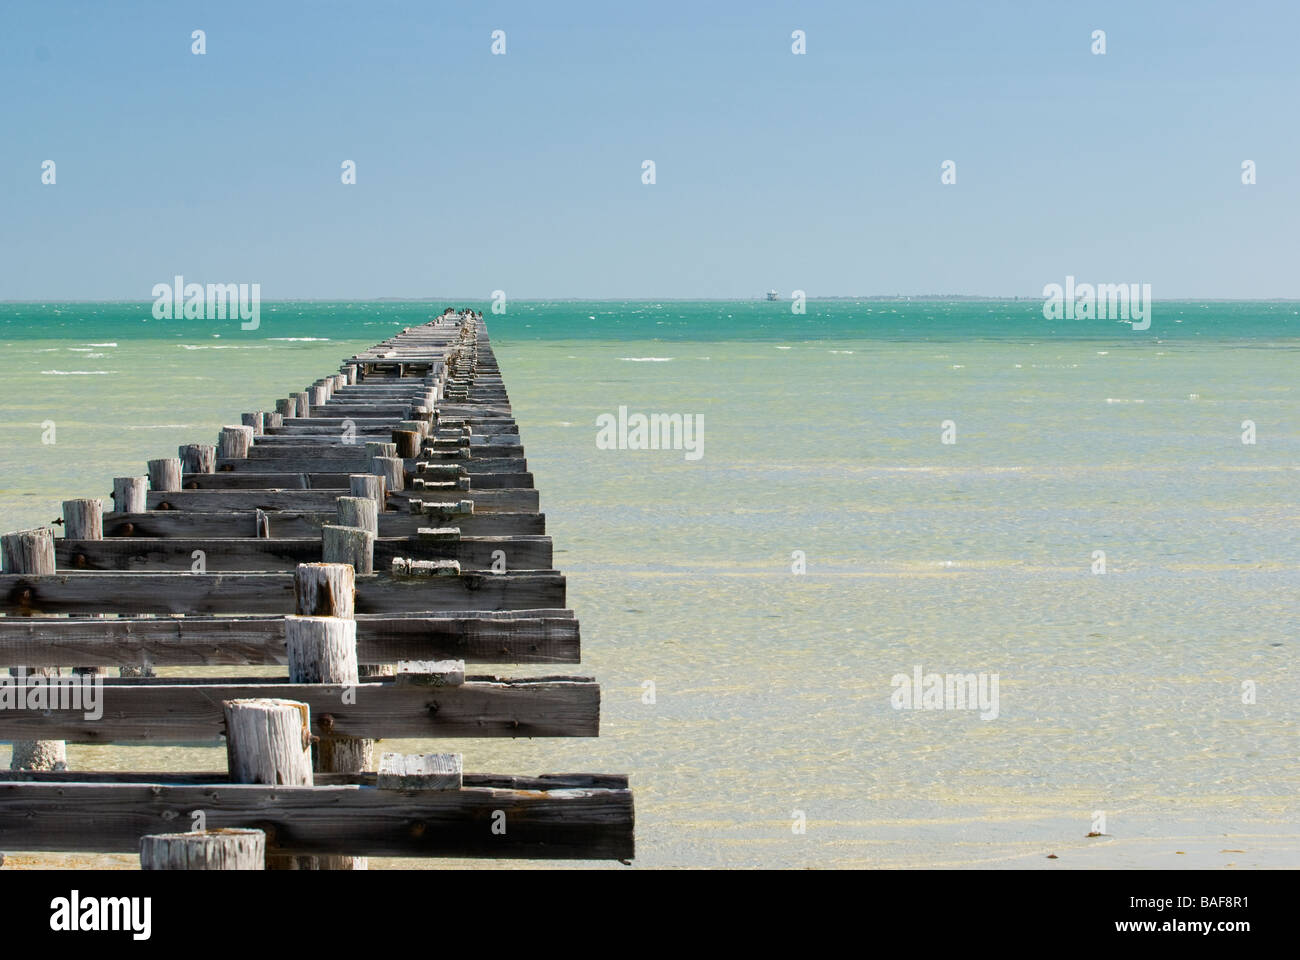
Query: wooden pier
(374, 533)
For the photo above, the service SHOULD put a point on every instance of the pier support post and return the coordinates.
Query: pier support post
(324, 590)
(256, 420)
(304, 403)
(324, 650)
(407, 443)
(233, 848)
(351, 545)
(269, 742)
(368, 485)
(235, 442)
(390, 468)
(165, 474)
(198, 457)
(32, 551)
(360, 511)
(83, 519)
(288, 407)
(129, 494)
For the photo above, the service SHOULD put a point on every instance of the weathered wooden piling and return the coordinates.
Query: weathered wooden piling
(228, 849)
(368, 485)
(392, 472)
(198, 457)
(234, 441)
(360, 511)
(325, 590)
(268, 741)
(32, 552)
(83, 519)
(129, 494)
(351, 545)
(324, 650)
(165, 474)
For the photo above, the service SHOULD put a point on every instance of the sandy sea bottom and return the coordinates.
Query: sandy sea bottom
(1119, 693)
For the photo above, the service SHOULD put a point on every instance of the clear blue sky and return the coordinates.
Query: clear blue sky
(523, 172)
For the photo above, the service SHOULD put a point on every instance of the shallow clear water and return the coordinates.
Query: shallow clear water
(1119, 692)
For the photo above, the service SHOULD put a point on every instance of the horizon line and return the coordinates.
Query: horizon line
(476, 300)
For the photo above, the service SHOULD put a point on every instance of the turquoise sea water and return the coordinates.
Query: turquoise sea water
(1119, 693)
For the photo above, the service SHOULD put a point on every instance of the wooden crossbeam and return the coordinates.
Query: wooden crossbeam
(187, 710)
(586, 823)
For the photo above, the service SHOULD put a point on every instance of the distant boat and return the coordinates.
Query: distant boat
(773, 295)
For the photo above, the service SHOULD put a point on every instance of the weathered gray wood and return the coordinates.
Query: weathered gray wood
(83, 519)
(304, 404)
(256, 420)
(240, 524)
(129, 494)
(348, 459)
(261, 524)
(380, 448)
(559, 823)
(197, 457)
(550, 636)
(165, 473)
(164, 710)
(32, 552)
(226, 849)
(268, 741)
(324, 650)
(429, 535)
(324, 590)
(446, 509)
(351, 545)
(323, 500)
(405, 567)
(359, 511)
(368, 485)
(210, 778)
(391, 470)
(274, 420)
(420, 771)
(321, 649)
(421, 588)
(234, 441)
(287, 407)
(158, 554)
(431, 673)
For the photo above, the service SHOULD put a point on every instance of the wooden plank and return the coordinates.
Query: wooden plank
(347, 460)
(217, 593)
(230, 480)
(362, 778)
(563, 823)
(185, 710)
(525, 636)
(240, 524)
(419, 771)
(298, 501)
(261, 554)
